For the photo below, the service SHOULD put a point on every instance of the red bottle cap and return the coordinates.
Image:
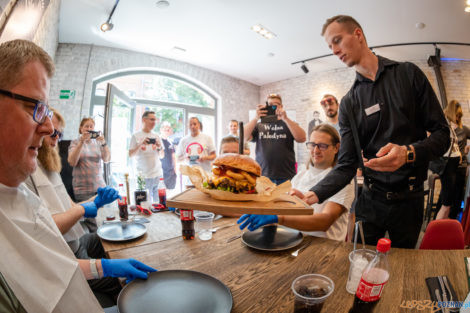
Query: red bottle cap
(383, 245)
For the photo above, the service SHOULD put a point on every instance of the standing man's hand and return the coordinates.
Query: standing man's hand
(310, 198)
(261, 111)
(389, 158)
(281, 113)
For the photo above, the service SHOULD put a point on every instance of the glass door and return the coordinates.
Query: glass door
(118, 116)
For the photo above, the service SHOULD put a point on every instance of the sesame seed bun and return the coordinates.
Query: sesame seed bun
(239, 161)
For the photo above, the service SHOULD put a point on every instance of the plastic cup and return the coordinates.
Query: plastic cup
(311, 292)
(204, 224)
(358, 260)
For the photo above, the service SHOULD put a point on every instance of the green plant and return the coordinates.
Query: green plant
(140, 182)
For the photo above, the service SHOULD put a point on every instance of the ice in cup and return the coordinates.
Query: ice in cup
(358, 260)
(204, 225)
(311, 292)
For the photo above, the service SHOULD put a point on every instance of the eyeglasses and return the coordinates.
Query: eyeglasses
(41, 109)
(321, 146)
(327, 101)
(57, 133)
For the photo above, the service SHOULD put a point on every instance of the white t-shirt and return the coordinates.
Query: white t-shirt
(201, 145)
(307, 178)
(147, 157)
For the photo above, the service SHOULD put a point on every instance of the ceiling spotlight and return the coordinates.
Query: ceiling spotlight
(467, 9)
(263, 31)
(106, 26)
(163, 4)
(304, 68)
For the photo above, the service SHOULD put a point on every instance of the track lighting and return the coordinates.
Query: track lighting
(304, 68)
(106, 26)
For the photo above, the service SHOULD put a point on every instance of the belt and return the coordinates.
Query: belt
(393, 195)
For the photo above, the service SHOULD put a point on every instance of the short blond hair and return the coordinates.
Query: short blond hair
(14, 55)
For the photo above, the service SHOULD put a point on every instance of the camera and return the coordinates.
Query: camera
(193, 158)
(94, 134)
(151, 141)
(271, 116)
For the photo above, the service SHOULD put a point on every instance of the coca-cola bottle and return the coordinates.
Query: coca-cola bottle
(162, 192)
(373, 280)
(187, 224)
(122, 204)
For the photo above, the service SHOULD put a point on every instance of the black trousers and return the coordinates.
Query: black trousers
(107, 289)
(460, 177)
(401, 218)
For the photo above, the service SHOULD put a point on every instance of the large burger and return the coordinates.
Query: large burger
(235, 173)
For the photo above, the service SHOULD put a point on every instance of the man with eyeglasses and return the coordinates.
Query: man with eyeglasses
(275, 141)
(38, 271)
(330, 217)
(47, 184)
(393, 106)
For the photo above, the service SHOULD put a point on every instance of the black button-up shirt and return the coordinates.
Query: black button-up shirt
(408, 109)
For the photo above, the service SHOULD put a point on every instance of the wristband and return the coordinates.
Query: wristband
(94, 269)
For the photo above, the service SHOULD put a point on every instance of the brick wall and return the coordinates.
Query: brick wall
(303, 93)
(78, 65)
(47, 34)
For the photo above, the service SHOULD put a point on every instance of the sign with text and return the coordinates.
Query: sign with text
(67, 94)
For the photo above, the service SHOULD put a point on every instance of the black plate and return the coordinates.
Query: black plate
(175, 291)
(272, 238)
(121, 231)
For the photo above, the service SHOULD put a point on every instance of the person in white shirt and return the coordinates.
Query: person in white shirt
(47, 184)
(147, 147)
(330, 218)
(196, 148)
(38, 271)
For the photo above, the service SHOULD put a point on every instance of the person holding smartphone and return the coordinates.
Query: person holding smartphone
(274, 137)
(86, 156)
(147, 147)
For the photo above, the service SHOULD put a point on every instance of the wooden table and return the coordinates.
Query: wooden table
(261, 281)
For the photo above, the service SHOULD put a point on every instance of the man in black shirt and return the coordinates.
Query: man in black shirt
(275, 141)
(393, 106)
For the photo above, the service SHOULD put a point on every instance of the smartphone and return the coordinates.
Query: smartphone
(270, 114)
(94, 134)
(151, 141)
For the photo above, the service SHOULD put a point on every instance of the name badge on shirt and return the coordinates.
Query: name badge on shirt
(372, 109)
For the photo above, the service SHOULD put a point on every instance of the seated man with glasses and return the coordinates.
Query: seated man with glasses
(330, 218)
(47, 184)
(38, 271)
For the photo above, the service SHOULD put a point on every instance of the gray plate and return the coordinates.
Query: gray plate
(175, 291)
(272, 238)
(121, 231)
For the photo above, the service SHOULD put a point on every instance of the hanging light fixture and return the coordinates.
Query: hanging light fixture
(106, 26)
(304, 68)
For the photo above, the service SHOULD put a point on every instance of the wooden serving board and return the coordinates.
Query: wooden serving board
(197, 200)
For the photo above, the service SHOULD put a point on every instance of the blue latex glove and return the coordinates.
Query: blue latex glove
(255, 221)
(129, 268)
(106, 195)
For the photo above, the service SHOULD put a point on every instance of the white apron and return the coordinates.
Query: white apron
(52, 192)
(36, 262)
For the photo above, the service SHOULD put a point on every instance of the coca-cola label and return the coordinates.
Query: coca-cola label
(186, 215)
(369, 292)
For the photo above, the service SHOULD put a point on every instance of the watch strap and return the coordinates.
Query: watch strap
(94, 269)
